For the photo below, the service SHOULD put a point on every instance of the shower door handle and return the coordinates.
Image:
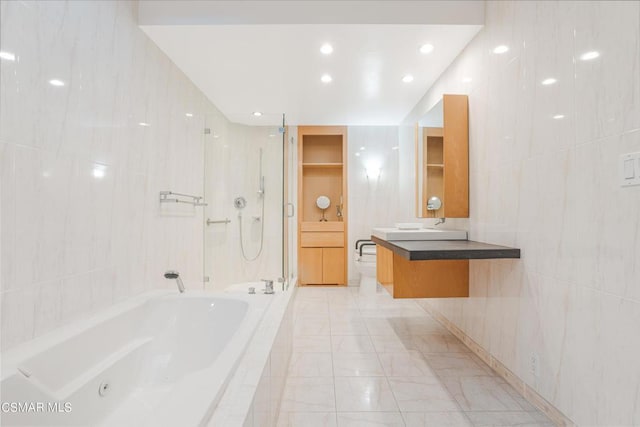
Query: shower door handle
(293, 210)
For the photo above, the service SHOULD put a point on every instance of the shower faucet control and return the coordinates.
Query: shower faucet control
(268, 287)
(175, 275)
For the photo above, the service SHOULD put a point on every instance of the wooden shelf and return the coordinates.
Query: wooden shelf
(435, 165)
(322, 165)
(322, 171)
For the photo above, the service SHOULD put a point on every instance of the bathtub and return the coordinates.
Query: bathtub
(160, 359)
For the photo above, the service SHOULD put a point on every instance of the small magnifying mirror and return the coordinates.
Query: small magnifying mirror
(323, 203)
(434, 203)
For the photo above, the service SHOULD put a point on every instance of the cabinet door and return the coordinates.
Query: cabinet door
(311, 266)
(333, 266)
(384, 265)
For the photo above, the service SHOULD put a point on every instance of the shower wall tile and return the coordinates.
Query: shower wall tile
(232, 156)
(550, 187)
(81, 226)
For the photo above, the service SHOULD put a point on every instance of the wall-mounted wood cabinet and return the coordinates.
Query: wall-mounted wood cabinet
(442, 160)
(431, 268)
(322, 233)
(403, 278)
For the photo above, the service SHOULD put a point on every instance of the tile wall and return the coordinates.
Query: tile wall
(232, 156)
(389, 198)
(81, 226)
(544, 178)
(371, 147)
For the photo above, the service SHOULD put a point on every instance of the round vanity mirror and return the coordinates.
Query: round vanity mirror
(323, 202)
(434, 203)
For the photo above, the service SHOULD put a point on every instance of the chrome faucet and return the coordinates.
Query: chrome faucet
(268, 286)
(440, 221)
(175, 275)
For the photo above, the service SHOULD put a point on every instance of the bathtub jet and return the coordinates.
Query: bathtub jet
(175, 275)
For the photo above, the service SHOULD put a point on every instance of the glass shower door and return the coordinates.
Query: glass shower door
(244, 188)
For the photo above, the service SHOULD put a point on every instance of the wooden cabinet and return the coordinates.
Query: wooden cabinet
(384, 268)
(322, 171)
(333, 266)
(442, 159)
(322, 239)
(421, 279)
(322, 266)
(310, 265)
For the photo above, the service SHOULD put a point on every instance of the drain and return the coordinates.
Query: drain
(104, 389)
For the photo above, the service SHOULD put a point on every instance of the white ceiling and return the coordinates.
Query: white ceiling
(277, 68)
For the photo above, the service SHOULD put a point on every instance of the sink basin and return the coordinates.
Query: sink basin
(391, 233)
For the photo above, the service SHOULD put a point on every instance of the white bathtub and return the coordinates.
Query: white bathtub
(164, 359)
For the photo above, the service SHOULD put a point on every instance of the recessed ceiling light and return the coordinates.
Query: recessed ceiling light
(326, 78)
(326, 49)
(558, 116)
(357, 154)
(467, 80)
(7, 55)
(362, 148)
(216, 136)
(549, 81)
(56, 82)
(188, 114)
(271, 135)
(395, 148)
(144, 124)
(408, 78)
(501, 49)
(587, 56)
(257, 113)
(426, 48)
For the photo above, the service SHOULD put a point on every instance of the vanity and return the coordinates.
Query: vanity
(430, 268)
(434, 263)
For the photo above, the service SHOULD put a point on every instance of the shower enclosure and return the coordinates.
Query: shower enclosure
(245, 222)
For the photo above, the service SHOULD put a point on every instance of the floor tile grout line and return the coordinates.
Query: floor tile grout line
(333, 369)
(358, 314)
(395, 399)
(442, 380)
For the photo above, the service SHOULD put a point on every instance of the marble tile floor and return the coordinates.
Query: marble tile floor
(375, 361)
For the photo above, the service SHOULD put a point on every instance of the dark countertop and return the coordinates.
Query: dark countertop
(421, 250)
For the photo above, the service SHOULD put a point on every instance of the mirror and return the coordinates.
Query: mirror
(323, 202)
(434, 203)
(442, 160)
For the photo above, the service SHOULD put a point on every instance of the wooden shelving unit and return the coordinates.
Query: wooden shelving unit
(444, 161)
(322, 172)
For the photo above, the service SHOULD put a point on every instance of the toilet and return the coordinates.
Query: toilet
(366, 266)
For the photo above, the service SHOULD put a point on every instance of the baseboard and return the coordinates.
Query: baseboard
(532, 396)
